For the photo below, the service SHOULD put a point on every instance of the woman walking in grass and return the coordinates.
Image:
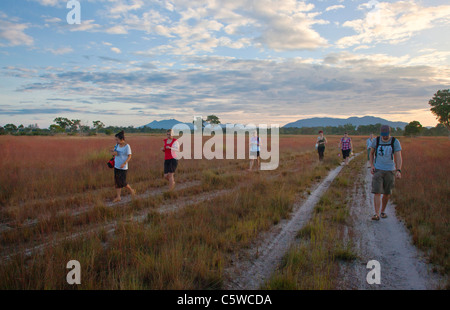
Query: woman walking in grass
(320, 143)
(254, 151)
(345, 144)
(122, 153)
(170, 148)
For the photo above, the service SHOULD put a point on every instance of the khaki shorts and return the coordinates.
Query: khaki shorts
(383, 182)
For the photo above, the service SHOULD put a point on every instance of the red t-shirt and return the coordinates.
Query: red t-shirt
(168, 153)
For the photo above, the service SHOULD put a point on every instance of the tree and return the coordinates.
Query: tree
(440, 106)
(10, 128)
(212, 119)
(413, 129)
(98, 125)
(63, 122)
(56, 128)
(76, 124)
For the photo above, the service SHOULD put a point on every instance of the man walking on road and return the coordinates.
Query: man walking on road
(386, 165)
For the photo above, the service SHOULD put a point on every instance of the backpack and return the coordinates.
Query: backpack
(392, 146)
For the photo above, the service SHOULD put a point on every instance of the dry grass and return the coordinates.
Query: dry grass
(313, 263)
(51, 177)
(423, 195)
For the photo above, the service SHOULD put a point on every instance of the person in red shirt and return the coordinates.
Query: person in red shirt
(170, 148)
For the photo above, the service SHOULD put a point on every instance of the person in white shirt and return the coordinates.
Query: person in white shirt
(255, 143)
(122, 155)
(368, 144)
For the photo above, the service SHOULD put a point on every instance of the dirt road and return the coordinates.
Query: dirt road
(254, 267)
(387, 241)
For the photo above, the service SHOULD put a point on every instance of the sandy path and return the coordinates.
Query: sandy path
(251, 269)
(388, 242)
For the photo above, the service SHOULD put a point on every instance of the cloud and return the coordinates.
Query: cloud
(116, 50)
(393, 22)
(334, 7)
(61, 51)
(119, 29)
(51, 2)
(13, 34)
(86, 25)
(199, 26)
(275, 89)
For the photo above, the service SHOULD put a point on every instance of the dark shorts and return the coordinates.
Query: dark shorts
(383, 182)
(170, 165)
(346, 153)
(254, 155)
(120, 178)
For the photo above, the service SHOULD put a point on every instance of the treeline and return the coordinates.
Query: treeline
(412, 129)
(74, 127)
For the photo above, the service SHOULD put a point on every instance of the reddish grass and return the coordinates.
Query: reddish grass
(423, 194)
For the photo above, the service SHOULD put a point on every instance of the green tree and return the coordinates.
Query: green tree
(63, 122)
(440, 106)
(98, 125)
(10, 128)
(414, 128)
(212, 119)
(56, 128)
(76, 124)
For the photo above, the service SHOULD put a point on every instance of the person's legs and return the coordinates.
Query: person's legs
(321, 151)
(118, 192)
(251, 165)
(385, 201)
(171, 181)
(132, 191)
(377, 190)
(377, 203)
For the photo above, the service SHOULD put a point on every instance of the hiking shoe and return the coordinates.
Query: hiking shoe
(375, 218)
(383, 215)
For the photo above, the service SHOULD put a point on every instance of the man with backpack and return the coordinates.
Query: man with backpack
(386, 165)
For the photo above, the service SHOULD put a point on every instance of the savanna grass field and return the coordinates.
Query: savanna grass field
(55, 206)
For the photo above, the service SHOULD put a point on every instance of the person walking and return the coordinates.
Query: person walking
(170, 148)
(386, 164)
(320, 144)
(254, 151)
(122, 153)
(368, 144)
(345, 144)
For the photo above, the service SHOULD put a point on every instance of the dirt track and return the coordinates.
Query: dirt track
(254, 267)
(388, 242)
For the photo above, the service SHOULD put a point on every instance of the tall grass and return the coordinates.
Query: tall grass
(186, 249)
(313, 262)
(423, 195)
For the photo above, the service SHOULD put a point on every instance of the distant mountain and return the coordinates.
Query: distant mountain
(166, 124)
(334, 122)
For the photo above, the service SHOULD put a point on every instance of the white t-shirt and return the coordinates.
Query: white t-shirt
(121, 157)
(254, 143)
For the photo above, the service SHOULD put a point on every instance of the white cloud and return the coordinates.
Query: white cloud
(86, 25)
(394, 23)
(335, 7)
(275, 24)
(13, 34)
(116, 50)
(51, 2)
(61, 51)
(119, 29)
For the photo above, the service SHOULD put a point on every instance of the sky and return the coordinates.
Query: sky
(130, 62)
